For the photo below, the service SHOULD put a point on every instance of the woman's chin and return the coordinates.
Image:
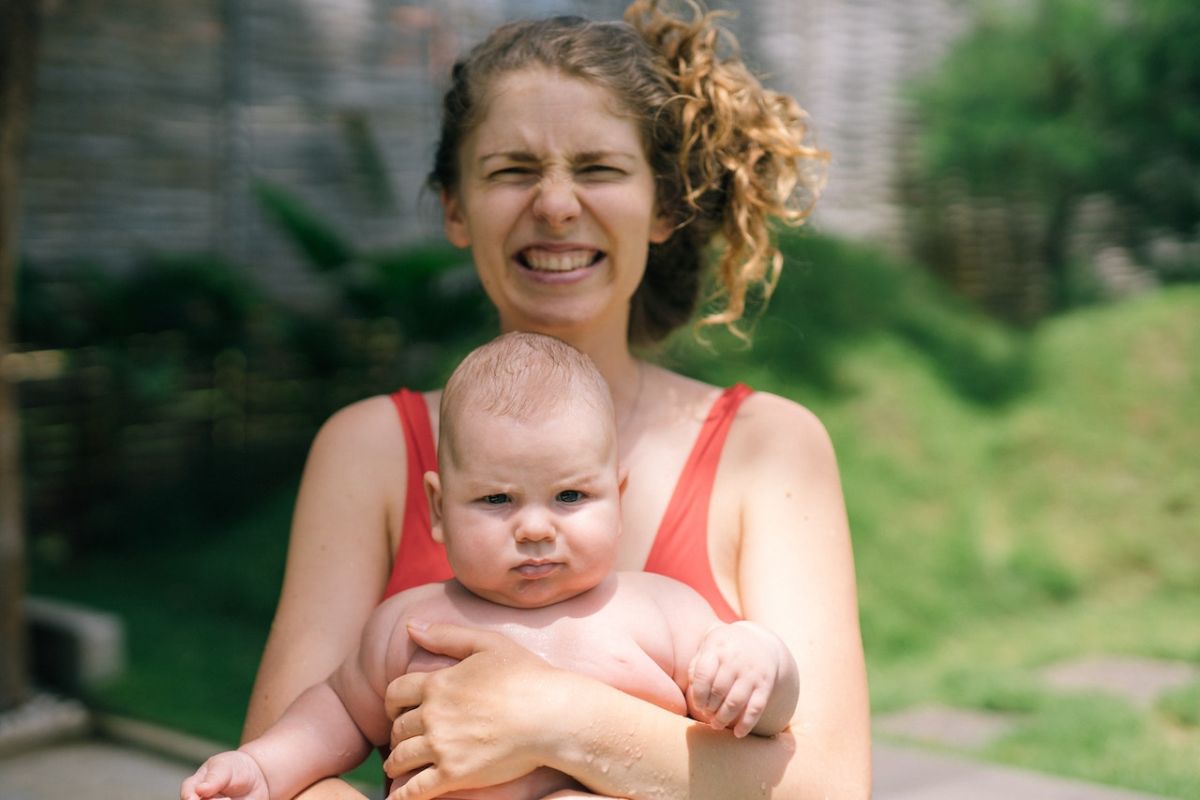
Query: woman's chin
(564, 318)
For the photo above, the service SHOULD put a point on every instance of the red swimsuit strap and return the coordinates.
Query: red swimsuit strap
(680, 548)
(419, 559)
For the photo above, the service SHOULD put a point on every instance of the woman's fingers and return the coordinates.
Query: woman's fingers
(406, 726)
(413, 753)
(422, 786)
(404, 692)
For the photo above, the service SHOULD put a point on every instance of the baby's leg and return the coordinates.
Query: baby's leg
(534, 786)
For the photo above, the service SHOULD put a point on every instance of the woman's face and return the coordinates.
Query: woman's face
(557, 201)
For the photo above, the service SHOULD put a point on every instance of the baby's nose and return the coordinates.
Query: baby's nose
(535, 525)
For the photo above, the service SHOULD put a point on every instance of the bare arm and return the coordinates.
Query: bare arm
(337, 563)
(796, 578)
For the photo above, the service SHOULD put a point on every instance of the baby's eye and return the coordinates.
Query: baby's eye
(570, 496)
(496, 499)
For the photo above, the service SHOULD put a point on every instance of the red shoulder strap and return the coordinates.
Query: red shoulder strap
(419, 559)
(680, 548)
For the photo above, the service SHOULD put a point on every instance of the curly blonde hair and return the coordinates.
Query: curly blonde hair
(728, 155)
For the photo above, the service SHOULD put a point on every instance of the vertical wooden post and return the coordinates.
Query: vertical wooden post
(18, 50)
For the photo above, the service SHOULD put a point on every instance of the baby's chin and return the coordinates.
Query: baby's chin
(535, 596)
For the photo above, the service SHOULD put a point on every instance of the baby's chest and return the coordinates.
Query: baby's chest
(619, 644)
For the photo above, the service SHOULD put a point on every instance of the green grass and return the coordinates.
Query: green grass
(1016, 499)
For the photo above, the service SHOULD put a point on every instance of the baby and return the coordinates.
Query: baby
(527, 504)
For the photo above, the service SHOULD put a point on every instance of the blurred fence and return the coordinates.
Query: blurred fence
(152, 426)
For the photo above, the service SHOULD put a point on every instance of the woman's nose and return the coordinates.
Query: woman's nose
(556, 203)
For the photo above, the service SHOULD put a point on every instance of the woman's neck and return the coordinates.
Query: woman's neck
(623, 373)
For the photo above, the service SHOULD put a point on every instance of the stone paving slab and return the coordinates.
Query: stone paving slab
(950, 727)
(102, 770)
(1139, 681)
(90, 769)
(904, 773)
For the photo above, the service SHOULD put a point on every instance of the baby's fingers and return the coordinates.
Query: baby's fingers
(733, 704)
(754, 708)
(702, 673)
(208, 781)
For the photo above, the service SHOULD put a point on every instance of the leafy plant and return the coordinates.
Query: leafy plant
(1045, 103)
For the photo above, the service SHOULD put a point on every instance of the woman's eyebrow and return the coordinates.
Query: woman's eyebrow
(585, 157)
(603, 155)
(520, 156)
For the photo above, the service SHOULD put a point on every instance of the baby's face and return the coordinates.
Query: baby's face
(530, 510)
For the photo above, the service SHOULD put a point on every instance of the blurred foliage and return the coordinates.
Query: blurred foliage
(203, 298)
(189, 389)
(833, 295)
(1046, 102)
(429, 291)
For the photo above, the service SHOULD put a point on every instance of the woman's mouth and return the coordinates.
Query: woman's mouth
(541, 259)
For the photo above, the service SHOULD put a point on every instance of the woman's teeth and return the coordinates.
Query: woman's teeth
(546, 261)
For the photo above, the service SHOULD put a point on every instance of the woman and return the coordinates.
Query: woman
(588, 166)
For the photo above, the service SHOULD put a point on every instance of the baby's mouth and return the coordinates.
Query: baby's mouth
(542, 260)
(537, 569)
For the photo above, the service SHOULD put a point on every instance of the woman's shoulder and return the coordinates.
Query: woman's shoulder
(761, 414)
(770, 429)
(367, 427)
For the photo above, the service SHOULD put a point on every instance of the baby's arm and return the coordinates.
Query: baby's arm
(738, 675)
(326, 731)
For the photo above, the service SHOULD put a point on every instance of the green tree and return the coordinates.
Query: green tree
(1046, 102)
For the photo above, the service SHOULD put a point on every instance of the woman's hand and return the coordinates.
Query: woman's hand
(478, 723)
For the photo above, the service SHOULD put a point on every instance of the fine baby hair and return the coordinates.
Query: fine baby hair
(728, 155)
(524, 376)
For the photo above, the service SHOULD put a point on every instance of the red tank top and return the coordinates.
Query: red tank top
(680, 548)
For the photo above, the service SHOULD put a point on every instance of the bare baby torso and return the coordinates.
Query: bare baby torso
(619, 633)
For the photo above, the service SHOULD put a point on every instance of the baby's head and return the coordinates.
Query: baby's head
(527, 498)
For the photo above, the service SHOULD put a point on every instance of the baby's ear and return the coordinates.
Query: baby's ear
(433, 494)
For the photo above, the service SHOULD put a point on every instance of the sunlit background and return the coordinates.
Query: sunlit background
(995, 309)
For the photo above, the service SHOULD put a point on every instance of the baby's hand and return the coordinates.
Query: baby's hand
(233, 775)
(732, 675)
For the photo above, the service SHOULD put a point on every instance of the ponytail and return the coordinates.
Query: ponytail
(743, 158)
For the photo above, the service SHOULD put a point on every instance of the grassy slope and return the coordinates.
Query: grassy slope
(1014, 500)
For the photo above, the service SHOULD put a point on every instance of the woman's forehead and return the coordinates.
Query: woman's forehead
(534, 107)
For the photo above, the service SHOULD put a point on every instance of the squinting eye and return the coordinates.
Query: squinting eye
(601, 171)
(496, 499)
(570, 496)
(512, 172)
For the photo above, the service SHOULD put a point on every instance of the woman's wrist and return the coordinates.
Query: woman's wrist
(565, 706)
(601, 735)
